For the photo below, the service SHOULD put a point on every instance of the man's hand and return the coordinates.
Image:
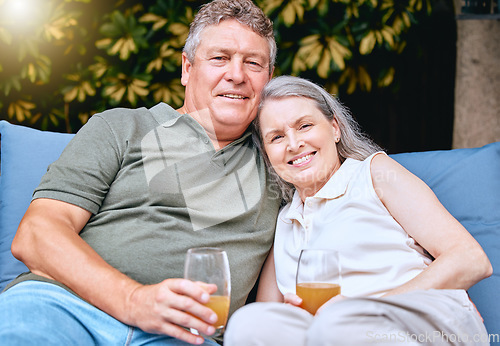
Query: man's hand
(171, 306)
(48, 242)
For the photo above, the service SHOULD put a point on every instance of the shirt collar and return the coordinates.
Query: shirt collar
(337, 185)
(175, 116)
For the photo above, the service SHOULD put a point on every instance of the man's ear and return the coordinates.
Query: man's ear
(186, 68)
(271, 73)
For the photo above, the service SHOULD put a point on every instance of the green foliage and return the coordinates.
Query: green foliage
(64, 60)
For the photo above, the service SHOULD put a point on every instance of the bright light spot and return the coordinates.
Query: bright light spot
(19, 13)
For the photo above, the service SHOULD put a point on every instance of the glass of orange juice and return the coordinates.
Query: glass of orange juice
(318, 277)
(210, 265)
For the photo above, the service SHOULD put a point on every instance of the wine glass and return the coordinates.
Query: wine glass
(318, 277)
(210, 265)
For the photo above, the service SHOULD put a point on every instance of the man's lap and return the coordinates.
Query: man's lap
(33, 312)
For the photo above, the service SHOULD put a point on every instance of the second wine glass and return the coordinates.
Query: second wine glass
(318, 277)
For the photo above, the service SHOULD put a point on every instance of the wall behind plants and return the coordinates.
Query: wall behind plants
(390, 62)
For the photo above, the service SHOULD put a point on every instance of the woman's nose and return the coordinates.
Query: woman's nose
(294, 142)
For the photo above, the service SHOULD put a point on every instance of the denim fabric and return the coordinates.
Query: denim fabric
(39, 313)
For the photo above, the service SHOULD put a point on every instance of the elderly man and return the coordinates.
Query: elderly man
(109, 225)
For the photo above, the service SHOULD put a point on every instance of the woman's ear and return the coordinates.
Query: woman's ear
(336, 129)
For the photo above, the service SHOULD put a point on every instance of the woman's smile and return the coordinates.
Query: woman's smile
(302, 160)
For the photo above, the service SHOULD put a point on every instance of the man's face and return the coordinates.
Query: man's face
(223, 84)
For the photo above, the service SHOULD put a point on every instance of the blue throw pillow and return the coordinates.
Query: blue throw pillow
(24, 157)
(467, 182)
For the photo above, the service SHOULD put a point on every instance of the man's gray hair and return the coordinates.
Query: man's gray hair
(243, 11)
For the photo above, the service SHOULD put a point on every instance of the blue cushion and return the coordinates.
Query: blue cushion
(25, 155)
(467, 182)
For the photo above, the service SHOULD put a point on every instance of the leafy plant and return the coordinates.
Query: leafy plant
(69, 59)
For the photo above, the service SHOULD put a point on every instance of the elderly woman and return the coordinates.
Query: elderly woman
(406, 262)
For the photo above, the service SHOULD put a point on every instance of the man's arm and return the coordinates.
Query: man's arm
(48, 242)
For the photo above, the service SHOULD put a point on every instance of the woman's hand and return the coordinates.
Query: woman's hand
(292, 299)
(295, 300)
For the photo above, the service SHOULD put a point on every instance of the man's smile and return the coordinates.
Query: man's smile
(234, 96)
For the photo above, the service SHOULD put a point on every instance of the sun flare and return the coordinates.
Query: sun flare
(19, 13)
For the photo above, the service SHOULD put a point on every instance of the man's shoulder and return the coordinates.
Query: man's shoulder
(134, 118)
(159, 111)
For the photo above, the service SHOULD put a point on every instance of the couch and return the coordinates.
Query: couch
(467, 182)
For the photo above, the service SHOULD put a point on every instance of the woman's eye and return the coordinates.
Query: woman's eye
(304, 126)
(275, 138)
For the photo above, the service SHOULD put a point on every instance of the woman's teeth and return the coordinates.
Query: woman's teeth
(302, 159)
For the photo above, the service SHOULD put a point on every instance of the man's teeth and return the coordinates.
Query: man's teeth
(302, 159)
(233, 96)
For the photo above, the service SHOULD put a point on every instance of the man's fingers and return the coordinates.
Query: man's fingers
(197, 290)
(193, 308)
(182, 301)
(188, 320)
(182, 334)
(210, 288)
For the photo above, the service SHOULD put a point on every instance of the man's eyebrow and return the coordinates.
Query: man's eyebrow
(250, 53)
(218, 49)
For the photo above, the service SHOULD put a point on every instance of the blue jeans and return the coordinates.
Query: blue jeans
(39, 313)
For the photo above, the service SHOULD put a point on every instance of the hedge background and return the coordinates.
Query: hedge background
(391, 62)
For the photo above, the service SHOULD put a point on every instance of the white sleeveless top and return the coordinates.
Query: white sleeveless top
(376, 253)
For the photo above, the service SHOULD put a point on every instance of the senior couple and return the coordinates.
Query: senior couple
(109, 225)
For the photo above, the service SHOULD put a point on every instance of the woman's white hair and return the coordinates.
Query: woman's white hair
(353, 142)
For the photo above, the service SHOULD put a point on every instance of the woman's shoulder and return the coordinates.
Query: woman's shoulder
(380, 162)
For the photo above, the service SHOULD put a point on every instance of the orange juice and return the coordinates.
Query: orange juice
(220, 305)
(315, 294)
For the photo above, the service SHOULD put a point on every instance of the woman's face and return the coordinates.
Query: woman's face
(300, 142)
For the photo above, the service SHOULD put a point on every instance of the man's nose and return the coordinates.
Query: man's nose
(236, 72)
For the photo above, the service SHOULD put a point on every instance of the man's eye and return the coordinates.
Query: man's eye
(218, 58)
(255, 65)
(304, 126)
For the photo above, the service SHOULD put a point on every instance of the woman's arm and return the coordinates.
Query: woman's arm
(460, 262)
(268, 290)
